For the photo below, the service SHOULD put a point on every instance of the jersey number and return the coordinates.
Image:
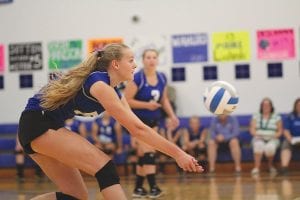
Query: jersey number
(155, 95)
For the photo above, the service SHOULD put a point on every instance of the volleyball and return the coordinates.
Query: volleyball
(221, 98)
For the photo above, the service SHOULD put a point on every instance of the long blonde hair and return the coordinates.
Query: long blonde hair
(61, 91)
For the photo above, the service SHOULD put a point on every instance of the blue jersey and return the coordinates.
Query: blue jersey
(292, 123)
(75, 126)
(195, 136)
(83, 103)
(147, 92)
(106, 132)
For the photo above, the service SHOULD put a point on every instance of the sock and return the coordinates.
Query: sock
(151, 180)
(20, 170)
(139, 181)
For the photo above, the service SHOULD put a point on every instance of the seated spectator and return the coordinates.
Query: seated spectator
(291, 136)
(172, 134)
(76, 125)
(194, 140)
(224, 132)
(266, 128)
(107, 134)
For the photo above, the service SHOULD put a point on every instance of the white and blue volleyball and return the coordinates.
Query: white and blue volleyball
(221, 98)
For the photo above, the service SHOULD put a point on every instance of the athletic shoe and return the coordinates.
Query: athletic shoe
(155, 192)
(284, 171)
(273, 170)
(139, 192)
(255, 171)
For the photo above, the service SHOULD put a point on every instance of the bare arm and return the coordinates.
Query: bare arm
(253, 127)
(288, 136)
(95, 133)
(165, 102)
(204, 135)
(279, 129)
(119, 134)
(110, 101)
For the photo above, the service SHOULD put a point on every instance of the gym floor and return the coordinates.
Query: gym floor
(179, 187)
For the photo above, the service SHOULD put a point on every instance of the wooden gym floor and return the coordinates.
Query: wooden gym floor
(180, 187)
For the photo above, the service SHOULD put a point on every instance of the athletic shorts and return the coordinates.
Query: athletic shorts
(34, 123)
(150, 122)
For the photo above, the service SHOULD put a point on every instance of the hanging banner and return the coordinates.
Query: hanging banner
(94, 44)
(275, 44)
(2, 56)
(231, 46)
(25, 56)
(64, 54)
(139, 44)
(189, 48)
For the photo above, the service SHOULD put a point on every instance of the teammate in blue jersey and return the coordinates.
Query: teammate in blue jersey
(87, 89)
(107, 134)
(195, 136)
(146, 95)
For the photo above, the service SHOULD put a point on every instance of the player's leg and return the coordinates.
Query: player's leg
(68, 179)
(139, 190)
(73, 150)
(149, 169)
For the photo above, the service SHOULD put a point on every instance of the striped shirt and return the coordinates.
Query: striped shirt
(266, 128)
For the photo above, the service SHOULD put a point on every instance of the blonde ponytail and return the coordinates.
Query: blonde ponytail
(61, 91)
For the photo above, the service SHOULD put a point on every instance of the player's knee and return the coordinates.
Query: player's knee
(149, 158)
(107, 176)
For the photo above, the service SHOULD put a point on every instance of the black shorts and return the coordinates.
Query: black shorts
(150, 122)
(34, 123)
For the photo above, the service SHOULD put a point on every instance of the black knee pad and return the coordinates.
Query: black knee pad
(141, 161)
(149, 158)
(107, 175)
(18, 152)
(62, 196)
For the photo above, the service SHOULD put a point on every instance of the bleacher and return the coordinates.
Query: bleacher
(8, 136)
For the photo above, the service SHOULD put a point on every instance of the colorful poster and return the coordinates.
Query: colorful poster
(64, 54)
(94, 44)
(5, 1)
(139, 44)
(189, 48)
(2, 58)
(275, 44)
(25, 56)
(231, 46)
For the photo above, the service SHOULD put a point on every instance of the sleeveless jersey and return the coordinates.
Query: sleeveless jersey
(147, 92)
(83, 103)
(193, 136)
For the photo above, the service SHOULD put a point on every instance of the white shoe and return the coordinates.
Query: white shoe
(255, 171)
(273, 170)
